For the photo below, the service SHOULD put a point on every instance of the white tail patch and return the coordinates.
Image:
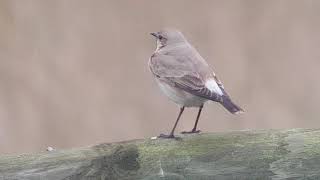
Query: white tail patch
(212, 85)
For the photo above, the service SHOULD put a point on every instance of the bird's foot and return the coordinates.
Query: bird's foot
(193, 131)
(165, 136)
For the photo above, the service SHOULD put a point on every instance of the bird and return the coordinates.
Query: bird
(185, 77)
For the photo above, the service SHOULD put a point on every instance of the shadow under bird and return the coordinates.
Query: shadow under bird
(185, 77)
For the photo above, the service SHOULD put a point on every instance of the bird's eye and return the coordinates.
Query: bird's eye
(160, 37)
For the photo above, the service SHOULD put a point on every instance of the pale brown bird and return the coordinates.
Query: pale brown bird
(185, 77)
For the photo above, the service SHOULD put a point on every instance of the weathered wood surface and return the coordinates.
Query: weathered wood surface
(265, 154)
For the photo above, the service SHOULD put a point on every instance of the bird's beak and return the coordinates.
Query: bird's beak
(154, 34)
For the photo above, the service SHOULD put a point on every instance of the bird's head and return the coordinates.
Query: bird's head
(168, 37)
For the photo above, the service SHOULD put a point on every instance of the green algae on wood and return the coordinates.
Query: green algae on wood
(265, 154)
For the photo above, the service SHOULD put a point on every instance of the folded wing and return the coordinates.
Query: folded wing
(182, 75)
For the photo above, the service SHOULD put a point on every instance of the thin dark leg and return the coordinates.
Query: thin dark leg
(194, 129)
(171, 135)
(175, 124)
(198, 117)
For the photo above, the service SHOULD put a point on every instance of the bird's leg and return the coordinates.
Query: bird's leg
(171, 135)
(194, 129)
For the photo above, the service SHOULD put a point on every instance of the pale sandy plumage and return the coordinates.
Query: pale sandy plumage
(184, 76)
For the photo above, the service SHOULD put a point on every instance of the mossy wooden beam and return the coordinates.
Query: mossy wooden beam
(265, 154)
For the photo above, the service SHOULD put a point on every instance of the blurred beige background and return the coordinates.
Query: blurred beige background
(74, 73)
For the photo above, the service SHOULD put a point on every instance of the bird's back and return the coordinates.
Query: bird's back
(187, 55)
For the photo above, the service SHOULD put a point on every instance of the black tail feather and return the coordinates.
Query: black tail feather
(230, 106)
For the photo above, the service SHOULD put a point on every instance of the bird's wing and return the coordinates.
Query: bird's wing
(179, 73)
(194, 85)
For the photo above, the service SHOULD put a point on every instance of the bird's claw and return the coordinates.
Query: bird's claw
(191, 132)
(165, 136)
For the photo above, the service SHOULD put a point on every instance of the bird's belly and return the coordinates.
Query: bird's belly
(181, 97)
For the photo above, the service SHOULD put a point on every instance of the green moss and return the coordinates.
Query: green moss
(311, 143)
(234, 155)
(242, 150)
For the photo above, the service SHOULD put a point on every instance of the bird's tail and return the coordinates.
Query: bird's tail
(230, 106)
